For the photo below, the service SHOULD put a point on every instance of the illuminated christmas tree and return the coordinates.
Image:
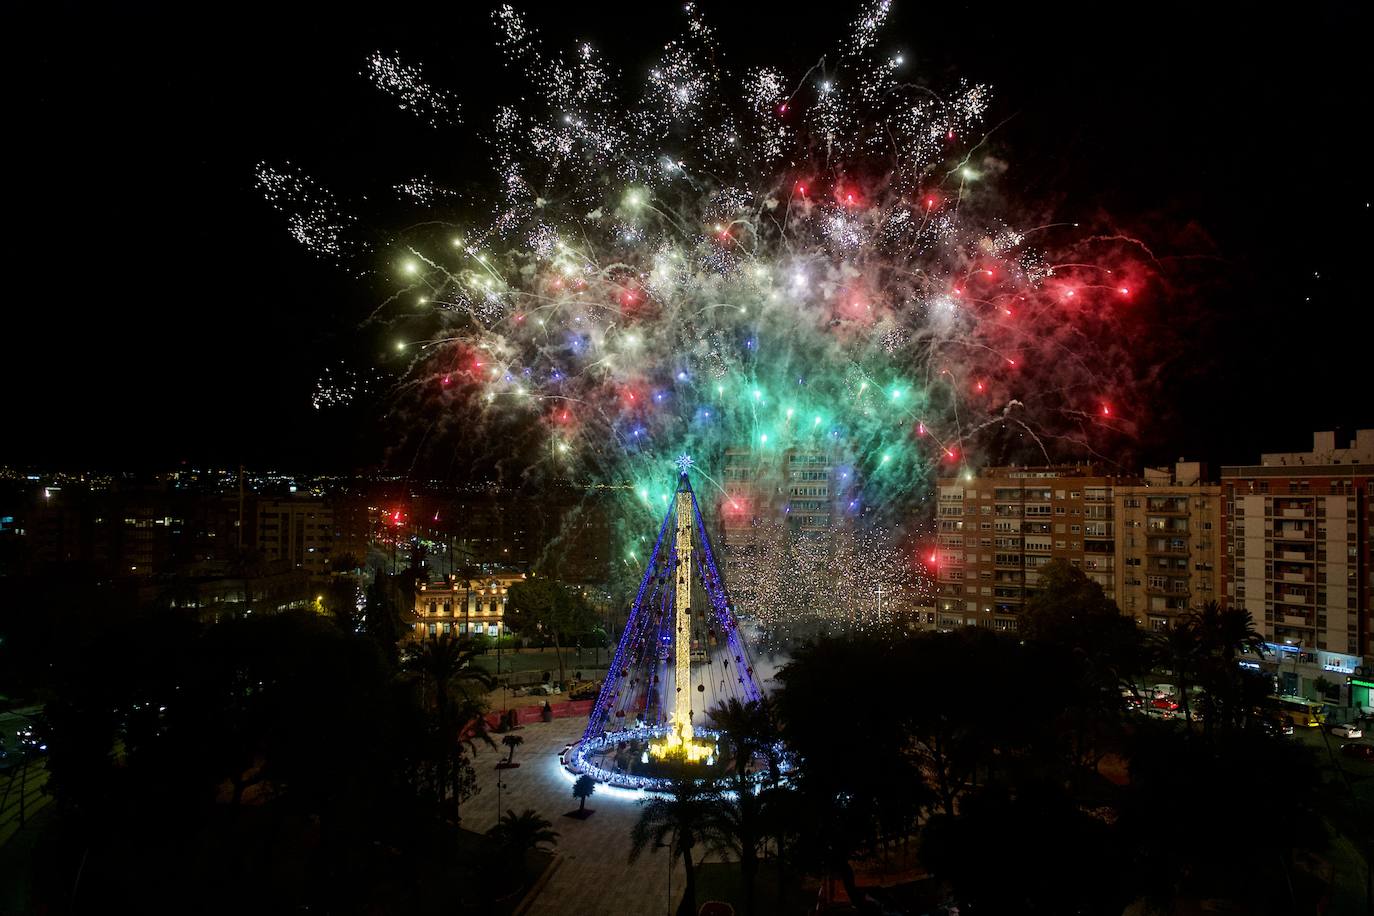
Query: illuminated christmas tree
(681, 651)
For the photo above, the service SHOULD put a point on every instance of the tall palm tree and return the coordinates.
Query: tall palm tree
(749, 729)
(739, 834)
(780, 816)
(690, 815)
(518, 834)
(739, 724)
(444, 666)
(1183, 654)
(1225, 634)
(1228, 632)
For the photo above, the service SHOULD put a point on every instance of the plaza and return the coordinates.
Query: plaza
(592, 854)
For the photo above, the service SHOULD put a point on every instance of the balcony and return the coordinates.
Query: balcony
(1301, 578)
(1297, 555)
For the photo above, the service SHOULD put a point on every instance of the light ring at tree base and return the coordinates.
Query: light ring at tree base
(575, 761)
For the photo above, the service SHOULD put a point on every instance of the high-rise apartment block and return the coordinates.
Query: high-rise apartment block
(998, 527)
(1168, 544)
(299, 531)
(1289, 539)
(1153, 542)
(1299, 530)
(769, 495)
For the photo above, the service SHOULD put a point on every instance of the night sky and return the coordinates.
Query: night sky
(163, 314)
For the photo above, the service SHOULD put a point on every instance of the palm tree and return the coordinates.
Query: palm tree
(1224, 634)
(740, 834)
(689, 816)
(1183, 653)
(1228, 632)
(583, 790)
(748, 728)
(512, 742)
(444, 665)
(518, 834)
(780, 816)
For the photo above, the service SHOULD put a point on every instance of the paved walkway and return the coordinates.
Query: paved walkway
(593, 876)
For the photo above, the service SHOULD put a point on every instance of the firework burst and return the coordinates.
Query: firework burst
(712, 259)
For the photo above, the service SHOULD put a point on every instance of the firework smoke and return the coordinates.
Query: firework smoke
(712, 259)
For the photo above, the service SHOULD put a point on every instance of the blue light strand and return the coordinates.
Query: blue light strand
(596, 724)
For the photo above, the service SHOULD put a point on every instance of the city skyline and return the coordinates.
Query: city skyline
(880, 458)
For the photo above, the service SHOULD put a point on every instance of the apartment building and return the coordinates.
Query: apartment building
(1298, 537)
(774, 495)
(997, 527)
(299, 531)
(1168, 544)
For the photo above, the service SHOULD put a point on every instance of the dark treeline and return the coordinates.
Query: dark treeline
(302, 762)
(1016, 769)
(284, 763)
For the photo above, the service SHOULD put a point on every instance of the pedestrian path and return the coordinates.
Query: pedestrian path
(594, 876)
(21, 796)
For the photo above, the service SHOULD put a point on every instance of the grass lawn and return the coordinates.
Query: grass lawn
(545, 660)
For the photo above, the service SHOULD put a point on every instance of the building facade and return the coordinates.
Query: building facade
(1168, 544)
(453, 606)
(771, 496)
(1298, 539)
(299, 532)
(996, 529)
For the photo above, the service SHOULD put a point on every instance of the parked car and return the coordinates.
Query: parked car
(1164, 703)
(1347, 730)
(1276, 726)
(1363, 752)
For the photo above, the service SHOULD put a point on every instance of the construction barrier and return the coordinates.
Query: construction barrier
(526, 715)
